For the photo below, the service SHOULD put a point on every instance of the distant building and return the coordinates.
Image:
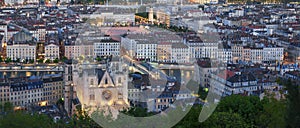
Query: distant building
(53, 88)
(4, 92)
(180, 53)
(228, 83)
(13, 2)
(26, 92)
(205, 71)
(21, 47)
(107, 47)
(51, 52)
(293, 75)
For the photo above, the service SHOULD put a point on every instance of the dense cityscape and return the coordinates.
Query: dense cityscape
(149, 63)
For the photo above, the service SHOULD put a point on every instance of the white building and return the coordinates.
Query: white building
(224, 53)
(107, 47)
(39, 33)
(257, 55)
(273, 53)
(146, 50)
(180, 53)
(51, 52)
(12, 2)
(21, 51)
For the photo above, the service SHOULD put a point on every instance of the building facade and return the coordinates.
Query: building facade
(21, 52)
(52, 52)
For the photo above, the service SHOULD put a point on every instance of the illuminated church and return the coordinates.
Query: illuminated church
(102, 86)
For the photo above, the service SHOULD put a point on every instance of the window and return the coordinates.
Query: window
(92, 82)
(119, 80)
(106, 81)
(92, 97)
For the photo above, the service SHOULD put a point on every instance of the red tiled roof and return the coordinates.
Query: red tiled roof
(226, 74)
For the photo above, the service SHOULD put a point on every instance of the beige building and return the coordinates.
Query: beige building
(72, 51)
(21, 51)
(164, 51)
(4, 92)
(53, 87)
(52, 52)
(237, 52)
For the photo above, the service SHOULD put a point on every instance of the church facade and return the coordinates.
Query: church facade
(102, 86)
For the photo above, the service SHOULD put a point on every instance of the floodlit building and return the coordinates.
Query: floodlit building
(51, 52)
(102, 87)
(21, 46)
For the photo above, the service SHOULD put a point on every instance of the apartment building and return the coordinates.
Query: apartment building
(13, 2)
(146, 50)
(164, 51)
(107, 47)
(257, 55)
(205, 70)
(52, 52)
(224, 54)
(72, 51)
(273, 53)
(237, 52)
(180, 53)
(21, 52)
(4, 92)
(228, 82)
(21, 46)
(53, 87)
(24, 93)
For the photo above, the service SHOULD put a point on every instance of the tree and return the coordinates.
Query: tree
(31, 61)
(98, 59)
(7, 107)
(84, 19)
(191, 119)
(41, 60)
(273, 114)
(137, 112)
(293, 104)
(249, 107)
(21, 119)
(225, 120)
(47, 61)
(55, 60)
(8, 60)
